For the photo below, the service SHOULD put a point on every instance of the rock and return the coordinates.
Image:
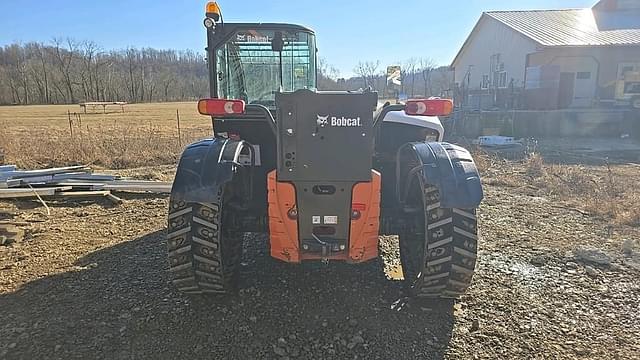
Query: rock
(12, 345)
(571, 265)
(582, 351)
(628, 247)
(357, 339)
(282, 342)
(294, 351)
(353, 322)
(430, 342)
(351, 345)
(592, 256)
(591, 271)
(616, 267)
(538, 260)
(58, 347)
(10, 234)
(279, 351)
(475, 325)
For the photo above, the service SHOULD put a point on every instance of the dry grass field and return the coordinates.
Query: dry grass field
(607, 191)
(145, 134)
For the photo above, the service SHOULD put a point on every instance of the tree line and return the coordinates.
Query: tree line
(69, 71)
(420, 77)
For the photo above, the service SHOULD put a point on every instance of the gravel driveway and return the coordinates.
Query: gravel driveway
(91, 281)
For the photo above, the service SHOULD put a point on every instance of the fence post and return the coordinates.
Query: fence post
(70, 123)
(179, 135)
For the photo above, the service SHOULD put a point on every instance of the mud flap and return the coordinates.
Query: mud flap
(204, 167)
(448, 167)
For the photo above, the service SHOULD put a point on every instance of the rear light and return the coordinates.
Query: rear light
(220, 107)
(359, 206)
(213, 10)
(429, 107)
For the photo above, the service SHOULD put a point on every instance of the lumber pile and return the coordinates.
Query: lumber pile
(70, 182)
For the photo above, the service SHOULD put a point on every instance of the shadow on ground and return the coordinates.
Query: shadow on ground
(118, 303)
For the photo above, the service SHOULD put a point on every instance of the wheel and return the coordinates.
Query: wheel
(203, 255)
(438, 246)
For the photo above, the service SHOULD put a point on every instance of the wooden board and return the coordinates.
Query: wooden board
(4, 168)
(75, 176)
(31, 193)
(43, 172)
(81, 185)
(83, 193)
(10, 183)
(139, 185)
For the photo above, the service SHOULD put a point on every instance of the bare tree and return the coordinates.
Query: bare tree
(64, 60)
(426, 67)
(367, 70)
(410, 66)
(41, 76)
(327, 75)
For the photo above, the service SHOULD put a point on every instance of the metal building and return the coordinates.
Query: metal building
(552, 59)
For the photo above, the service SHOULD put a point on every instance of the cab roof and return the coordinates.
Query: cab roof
(269, 26)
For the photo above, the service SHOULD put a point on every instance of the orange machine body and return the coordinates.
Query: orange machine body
(363, 230)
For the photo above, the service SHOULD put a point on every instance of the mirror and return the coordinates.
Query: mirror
(277, 43)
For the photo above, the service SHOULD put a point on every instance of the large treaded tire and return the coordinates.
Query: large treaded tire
(202, 257)
(439, 262)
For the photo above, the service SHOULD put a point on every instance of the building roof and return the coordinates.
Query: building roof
(573, 27)
(569, 27)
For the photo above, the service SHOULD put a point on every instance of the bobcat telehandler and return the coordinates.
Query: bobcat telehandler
(323, 173)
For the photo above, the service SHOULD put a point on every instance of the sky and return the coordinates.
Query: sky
(347, 31)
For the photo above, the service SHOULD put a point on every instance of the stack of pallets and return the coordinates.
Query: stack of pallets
(71, 181)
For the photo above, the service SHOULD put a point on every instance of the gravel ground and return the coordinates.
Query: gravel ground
(90, 281)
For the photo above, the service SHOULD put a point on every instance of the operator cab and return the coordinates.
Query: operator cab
(254, 61)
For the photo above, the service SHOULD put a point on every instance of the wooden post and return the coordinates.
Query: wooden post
(70, 123)
(179, 135)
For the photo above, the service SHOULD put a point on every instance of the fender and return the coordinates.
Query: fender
(205, 166)
(448, 167)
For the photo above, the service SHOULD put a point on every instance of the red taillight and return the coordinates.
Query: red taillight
(359, 206)
(429, 107)
(220, 107)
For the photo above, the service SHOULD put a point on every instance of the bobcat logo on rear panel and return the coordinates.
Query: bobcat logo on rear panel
(322, 120)
(338, 121)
